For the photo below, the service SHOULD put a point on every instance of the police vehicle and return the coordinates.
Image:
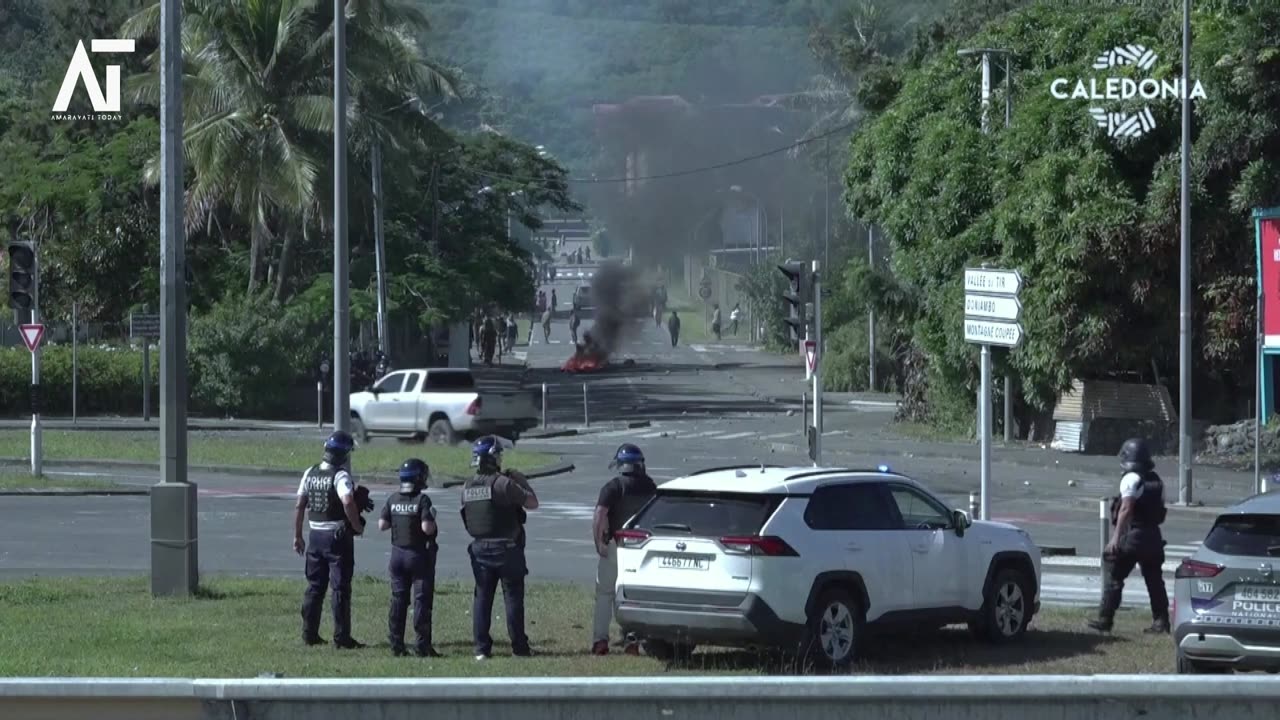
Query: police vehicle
(1226, 596)
(810, 560)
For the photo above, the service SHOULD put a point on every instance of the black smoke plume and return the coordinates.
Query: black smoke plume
(621, 296)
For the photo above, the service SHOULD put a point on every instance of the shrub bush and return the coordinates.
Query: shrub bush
(109, 380)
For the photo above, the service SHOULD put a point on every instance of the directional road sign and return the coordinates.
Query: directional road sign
(992, 332)
(144, 326)
(995, 282)
(995, 307)
(31, 335)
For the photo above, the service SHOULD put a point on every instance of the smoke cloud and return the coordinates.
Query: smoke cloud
(620, 295)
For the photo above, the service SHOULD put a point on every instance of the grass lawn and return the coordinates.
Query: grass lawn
(243, 627)
(262, 450)
(21, 480)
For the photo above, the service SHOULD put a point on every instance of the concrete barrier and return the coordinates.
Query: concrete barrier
(651, 698)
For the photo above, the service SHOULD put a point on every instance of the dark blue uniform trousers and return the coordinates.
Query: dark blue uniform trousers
(494, 562)
(331, 561)
(412, 568)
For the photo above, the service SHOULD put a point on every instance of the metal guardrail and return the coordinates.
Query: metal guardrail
(1109, 697)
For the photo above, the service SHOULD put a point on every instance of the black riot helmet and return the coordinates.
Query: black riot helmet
(413, 476)
(1135, 456)
(338, 448)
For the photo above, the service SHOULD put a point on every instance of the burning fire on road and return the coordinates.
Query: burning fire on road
(620, 296)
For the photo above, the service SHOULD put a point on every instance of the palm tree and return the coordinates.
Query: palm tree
(258, 106)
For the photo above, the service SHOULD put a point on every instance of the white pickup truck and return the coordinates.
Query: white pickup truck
(439, 404)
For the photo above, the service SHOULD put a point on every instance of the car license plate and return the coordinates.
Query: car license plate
(1261, 593)
(683, 562)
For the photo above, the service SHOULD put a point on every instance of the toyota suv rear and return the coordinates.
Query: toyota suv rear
(804, 559)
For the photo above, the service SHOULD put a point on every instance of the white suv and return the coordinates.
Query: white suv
(806, 559)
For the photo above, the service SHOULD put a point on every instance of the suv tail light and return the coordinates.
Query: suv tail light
(767, 545)
(474, 407)
(1196, 569)
(631, 538)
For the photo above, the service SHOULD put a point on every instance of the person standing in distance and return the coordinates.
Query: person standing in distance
(492, 502)
(327, 495)
(620, 499)
(411, 519)
(1136, 515)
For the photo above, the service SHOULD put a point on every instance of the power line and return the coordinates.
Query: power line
(669, 175)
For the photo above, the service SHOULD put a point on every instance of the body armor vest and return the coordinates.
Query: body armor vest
(636, 491)
(406, 521)
(484, 517)
(323, 503)
(1149, 509)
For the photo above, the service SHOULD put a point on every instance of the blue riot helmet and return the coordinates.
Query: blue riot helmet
(413, 476)
(487, 452)
(337, 449)
(628, 460)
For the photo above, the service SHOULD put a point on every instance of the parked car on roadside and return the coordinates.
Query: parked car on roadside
(810, 560)
(1226, 596)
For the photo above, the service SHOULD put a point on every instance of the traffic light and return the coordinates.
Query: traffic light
(22, 274)
(796, 297)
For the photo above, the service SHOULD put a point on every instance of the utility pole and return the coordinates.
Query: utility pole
(871, 314)
(174, 549)
(826, 213)
(1185, 494)
(341, 270)
(817, 366)
(380, 249)
(37, 430)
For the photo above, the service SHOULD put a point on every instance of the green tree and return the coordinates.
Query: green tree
(1090, 221)
(258, 112)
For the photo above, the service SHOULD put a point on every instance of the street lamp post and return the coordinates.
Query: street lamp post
(1184, 276)
(341, 268)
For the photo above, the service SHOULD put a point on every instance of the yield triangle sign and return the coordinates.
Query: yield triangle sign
(32, 335)
(811, 354)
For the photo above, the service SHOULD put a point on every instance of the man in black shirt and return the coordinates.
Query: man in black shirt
(620, 499)
(411, 519)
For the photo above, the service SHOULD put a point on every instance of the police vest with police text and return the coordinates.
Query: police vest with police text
(323, 503)
(485, 517)
(636, 491)
(406, 521)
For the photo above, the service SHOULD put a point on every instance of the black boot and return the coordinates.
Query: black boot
(1159, 626)
(1101, 624)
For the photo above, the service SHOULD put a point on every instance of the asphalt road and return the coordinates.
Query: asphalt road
(706, 405)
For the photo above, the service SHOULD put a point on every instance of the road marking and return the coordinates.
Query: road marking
(1092, 562)
(873, 403)
(775, 436)
(735, 436)
(649, 435)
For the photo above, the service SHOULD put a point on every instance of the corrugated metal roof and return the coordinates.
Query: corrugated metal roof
(1097, 399)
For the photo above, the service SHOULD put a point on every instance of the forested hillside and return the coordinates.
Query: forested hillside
(551, 60)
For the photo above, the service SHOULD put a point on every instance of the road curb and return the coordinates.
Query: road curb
(73, 492)
(131, 465)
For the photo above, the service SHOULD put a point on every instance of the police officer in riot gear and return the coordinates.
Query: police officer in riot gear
(492, 503)
(1136, 515)
(328, 497)
(411, 519)
(620, 499)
